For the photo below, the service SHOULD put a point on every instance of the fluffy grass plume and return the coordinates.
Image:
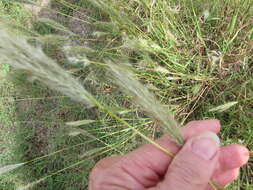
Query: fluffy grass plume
(17, 52)
(9, 168)
(126, 80)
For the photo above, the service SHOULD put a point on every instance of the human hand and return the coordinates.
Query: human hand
(195, 164)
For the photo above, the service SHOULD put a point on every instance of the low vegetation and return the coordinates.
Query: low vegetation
(195, 57)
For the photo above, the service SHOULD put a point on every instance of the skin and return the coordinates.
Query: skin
(147, 168)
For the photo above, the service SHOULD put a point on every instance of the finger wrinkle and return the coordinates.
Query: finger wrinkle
(144, 175)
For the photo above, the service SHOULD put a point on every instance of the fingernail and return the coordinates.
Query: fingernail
(206, 145)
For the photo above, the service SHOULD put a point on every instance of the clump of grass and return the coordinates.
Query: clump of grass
(194, 57)
(34, 61)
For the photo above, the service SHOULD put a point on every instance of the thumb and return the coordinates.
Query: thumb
(193, 166)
